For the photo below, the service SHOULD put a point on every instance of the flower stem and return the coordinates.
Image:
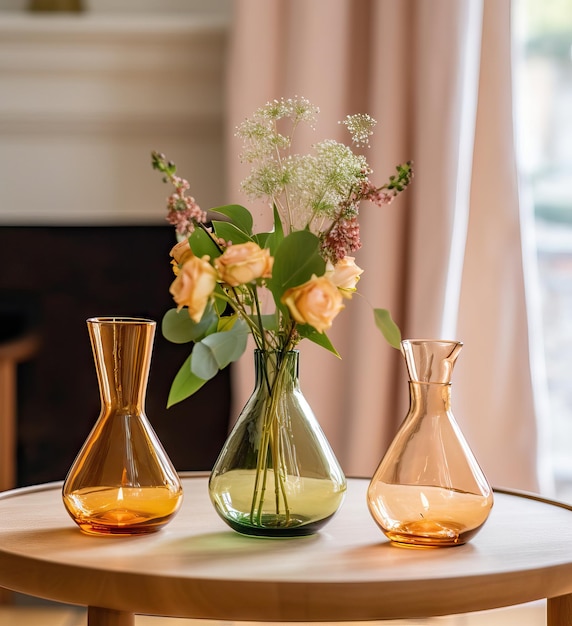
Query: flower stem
(270, 443)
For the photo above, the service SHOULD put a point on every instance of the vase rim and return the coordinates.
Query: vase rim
(294, 351)
(442, 341)
(120, 319)
(430, 360)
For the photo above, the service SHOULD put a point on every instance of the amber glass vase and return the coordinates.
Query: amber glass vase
(429, 489)
(122, 481)
(277, 475)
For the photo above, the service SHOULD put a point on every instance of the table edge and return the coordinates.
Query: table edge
(482, 594)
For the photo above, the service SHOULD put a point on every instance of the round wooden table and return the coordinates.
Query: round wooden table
(198, 567)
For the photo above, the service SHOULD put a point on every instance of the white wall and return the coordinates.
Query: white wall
(85, 97)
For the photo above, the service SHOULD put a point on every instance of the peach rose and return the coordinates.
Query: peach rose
(345, 275)
(194, 285)
(181, 251)
(316, 302)
(242, 263)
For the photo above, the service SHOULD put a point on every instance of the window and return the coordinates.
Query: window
(543, 106)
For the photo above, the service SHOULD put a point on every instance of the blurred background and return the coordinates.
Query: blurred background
(85, 95)
(84, 98)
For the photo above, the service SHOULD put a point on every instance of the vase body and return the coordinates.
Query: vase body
(429, 489)
(276, 474)
(122, 481)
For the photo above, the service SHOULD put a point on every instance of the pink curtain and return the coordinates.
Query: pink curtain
(445, 257)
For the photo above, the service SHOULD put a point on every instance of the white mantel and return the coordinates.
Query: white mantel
(85, 97)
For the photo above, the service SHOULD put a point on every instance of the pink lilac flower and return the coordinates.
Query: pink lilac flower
(376, 195)
(342, 239)
(183, 211)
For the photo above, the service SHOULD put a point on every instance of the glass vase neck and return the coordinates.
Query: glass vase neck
(122, 352)
(434, 398)
(430, 361)
(268, 363)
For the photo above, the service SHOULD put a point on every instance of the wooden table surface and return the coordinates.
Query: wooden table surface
(198, 567)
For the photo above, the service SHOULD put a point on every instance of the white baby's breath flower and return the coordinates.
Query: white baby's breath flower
(360, 127)
(260, 132)
(297, 109)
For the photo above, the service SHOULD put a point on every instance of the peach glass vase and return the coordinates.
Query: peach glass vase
(429, 489)
(122, 481)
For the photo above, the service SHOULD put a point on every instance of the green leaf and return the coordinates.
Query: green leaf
(388, 327)
(270, 322)
(204, 363)
(220, 303)
(278, 228)
(239, 216)
(218, 350)
(296, 259)
(229, 232)
(275, 238)
(178, 327)
(185, 383)
(309, 332)
(226, 323)
(202, 243)
(262, 239)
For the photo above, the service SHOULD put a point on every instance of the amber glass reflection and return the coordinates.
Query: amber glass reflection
(122, 481)
(429, 489)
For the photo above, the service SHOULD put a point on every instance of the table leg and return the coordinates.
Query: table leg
(97, 616)
(559, 611)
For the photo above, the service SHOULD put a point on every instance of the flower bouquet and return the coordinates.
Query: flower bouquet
(280, 287)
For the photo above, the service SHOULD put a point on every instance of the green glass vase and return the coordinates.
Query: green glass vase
(277, 474)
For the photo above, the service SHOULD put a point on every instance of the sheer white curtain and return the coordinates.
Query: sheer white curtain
(446, 257)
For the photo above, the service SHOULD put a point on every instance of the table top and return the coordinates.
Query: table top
(196, 566)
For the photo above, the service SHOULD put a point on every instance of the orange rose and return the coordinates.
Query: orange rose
(316, 302)
(194, 285)
(345, 275)
(243, 263)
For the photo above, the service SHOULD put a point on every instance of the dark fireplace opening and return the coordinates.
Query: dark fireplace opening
(54, 278)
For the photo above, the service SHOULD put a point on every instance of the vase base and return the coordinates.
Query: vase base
(421, 542)
(276, 528)
(101, 531)
(444, 536)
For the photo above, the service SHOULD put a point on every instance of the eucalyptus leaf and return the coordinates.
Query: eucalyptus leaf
(178, 327)
(220, 349)
(185, 383)
(388, 327)
(210, 318)
(204, 364)
(239, 216)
